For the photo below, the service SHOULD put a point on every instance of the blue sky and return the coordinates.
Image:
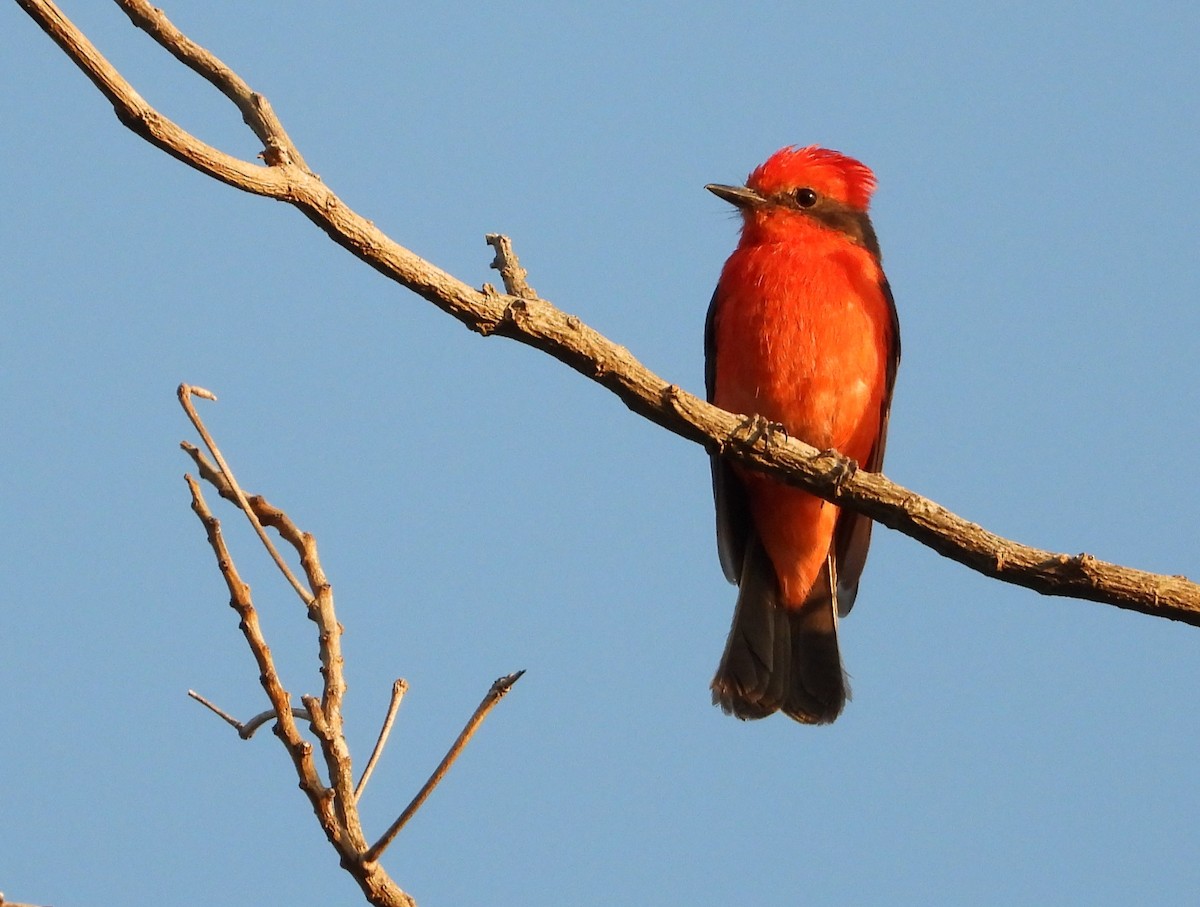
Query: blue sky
(482, 508)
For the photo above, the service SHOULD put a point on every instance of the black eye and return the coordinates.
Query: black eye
(805, 197)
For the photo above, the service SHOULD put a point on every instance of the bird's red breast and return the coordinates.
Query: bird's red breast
(802, 337)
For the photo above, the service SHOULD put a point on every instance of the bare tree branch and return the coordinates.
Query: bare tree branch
(539, 324)
(376, 885)
(335, 806)
(241, 602)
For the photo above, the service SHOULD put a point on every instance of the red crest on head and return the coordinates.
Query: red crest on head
(828, 172)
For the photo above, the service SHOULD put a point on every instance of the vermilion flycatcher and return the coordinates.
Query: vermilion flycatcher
(801, 331)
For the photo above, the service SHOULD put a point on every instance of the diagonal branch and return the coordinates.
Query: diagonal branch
(539, 324)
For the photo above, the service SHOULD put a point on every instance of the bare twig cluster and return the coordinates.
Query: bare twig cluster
(520, 314)
(335, 797)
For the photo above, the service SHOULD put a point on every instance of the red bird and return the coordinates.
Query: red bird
(802, 331)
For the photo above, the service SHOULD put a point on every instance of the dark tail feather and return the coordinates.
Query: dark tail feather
(818, 691)
(751, 681)
(781, 658)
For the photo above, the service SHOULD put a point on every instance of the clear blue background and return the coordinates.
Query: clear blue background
(481, 508)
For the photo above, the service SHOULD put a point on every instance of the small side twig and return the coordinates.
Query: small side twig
(245, 729)
(509, 266)
(399, 688)
(494, 695)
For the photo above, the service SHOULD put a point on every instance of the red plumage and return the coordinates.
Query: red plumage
(802, 331)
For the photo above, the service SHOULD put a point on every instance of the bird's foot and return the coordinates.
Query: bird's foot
(753, 429)
(841, 470)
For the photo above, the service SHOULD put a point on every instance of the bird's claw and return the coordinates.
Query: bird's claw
(753, 429)
(841, 471)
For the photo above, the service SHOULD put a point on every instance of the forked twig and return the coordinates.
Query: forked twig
(256, 110)
(494, 695)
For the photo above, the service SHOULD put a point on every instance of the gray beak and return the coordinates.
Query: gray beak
(738, 196)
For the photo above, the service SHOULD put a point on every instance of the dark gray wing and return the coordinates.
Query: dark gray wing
(729, 495)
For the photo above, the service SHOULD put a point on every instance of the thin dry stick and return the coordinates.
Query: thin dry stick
(185, 393)
(336, 754)
(329, 635)
(399, 688)
(494, 695)
(219, 712)
(539, 324)
(246, 728)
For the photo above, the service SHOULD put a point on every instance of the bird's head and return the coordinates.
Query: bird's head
(797, 189)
